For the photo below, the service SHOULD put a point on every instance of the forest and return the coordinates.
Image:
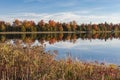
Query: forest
(51, 25)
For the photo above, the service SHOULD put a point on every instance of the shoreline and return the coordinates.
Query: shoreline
(43, 32)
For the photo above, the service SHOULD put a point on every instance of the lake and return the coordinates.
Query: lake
(101, 47)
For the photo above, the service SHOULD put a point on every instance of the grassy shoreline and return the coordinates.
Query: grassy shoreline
(59, 32)
(36, 64)
(37, 32)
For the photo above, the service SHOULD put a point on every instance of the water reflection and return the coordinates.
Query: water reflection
(56, 37)
(102, 47)
(100, 50)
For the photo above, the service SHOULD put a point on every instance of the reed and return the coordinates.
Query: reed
(17, 63)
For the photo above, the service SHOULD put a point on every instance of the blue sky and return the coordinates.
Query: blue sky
(83, 11)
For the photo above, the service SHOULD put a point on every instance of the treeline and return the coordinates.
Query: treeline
(56, 37)
(51, 25)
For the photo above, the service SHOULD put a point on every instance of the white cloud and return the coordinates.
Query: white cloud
(79, 16)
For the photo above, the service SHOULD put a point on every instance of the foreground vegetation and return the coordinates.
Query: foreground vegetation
(51, 25)
(17, 63)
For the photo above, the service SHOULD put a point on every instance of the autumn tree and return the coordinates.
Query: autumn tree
(29, 25)
(8, 27)
(59, 25)
(23, 29)
(89, 27)
(2, 26)
(68, 27)
(52, 24)
(83, 27)
(17, 23)
(41, 25)
(73, 25)
(95, 27)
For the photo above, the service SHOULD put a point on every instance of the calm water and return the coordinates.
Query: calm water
(94, 50)
(86, 47)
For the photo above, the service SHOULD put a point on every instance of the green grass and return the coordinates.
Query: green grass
(17, 63)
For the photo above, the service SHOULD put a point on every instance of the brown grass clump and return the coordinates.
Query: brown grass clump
(34, 64)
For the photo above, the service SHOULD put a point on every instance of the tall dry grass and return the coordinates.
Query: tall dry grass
(17, 63)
